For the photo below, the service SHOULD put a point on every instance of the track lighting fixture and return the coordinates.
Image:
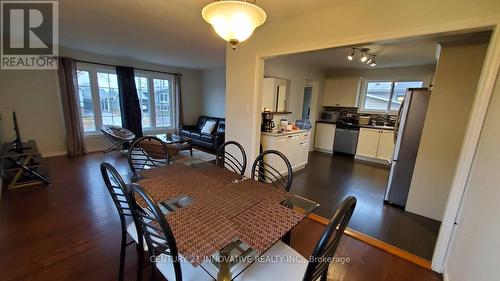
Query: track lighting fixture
(365, 56)
(351, 56)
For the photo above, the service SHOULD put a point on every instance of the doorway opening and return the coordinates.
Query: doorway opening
(364, 101)
(306, 102)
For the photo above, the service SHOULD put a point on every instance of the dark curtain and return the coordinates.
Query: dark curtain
(179, 118)
(71, 107)
(129, 101)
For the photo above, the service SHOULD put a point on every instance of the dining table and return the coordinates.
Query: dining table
(221, 220)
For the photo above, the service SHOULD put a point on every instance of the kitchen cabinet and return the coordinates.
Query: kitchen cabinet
(386, 145)
(368, 140)
(341, 92)
(325, 136)
(274, 94)
(294, 145)
(375, 145)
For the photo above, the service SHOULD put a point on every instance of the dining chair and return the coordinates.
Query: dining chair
(118, 191)
(227, 160)
(272, 166)
(162, 248)
(294, 266)
(147, 152)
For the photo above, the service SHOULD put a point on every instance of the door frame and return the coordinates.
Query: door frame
(479, 109)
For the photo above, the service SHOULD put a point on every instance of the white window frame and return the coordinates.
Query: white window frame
(150, 75)
(364, 88)
(93, 69)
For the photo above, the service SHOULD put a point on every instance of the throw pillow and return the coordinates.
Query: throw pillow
(208, 128)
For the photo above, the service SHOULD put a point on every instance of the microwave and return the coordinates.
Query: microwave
(329, 116)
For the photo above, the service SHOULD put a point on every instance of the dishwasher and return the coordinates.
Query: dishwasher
(346, 140)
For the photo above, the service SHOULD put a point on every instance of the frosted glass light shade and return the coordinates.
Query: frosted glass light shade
(234, 21)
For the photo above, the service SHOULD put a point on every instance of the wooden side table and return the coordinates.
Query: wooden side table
(24, 167)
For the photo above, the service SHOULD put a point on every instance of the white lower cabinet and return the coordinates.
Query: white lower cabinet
(295, 146)
(375, 145)
(325, 136)
(368, 140)
(386, 145)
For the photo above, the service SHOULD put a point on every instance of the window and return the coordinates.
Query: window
(385, 96)
(86, 104)
(155, 96)
(109, 99)
(99, 97)
(141, 83)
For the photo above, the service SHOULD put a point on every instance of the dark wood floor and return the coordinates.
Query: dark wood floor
(329, 179)
(70, 231)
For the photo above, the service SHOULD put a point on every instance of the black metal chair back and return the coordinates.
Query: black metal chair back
(153, 226)
(147, 152)
(327, 244)
(229, 161)
(264, 172)
(117, 189)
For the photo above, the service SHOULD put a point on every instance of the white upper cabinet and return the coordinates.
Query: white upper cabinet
(274, 94)
(342, 92)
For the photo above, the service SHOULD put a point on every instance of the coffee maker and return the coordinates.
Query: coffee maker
(267, 122)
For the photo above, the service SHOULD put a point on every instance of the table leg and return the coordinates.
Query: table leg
(23, 166)
(224, 266)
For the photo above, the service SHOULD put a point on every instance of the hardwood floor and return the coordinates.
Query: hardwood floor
(329, 179)
(70, 231)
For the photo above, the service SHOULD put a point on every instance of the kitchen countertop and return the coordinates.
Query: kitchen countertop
(275, 133)
(357, 125)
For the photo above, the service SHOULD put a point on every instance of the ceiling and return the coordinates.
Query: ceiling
(388, 55)
(394, 53)
(165, 32)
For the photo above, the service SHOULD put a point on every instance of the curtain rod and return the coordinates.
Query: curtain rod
(143, 69)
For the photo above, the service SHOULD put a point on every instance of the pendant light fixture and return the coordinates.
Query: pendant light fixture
(234, 21)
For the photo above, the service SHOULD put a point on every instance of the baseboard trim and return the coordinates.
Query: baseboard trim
(371, 160)
(446, 277)
(379, 244)
(54, 154)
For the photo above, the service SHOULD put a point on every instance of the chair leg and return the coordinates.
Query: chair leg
(153, 272)
(324, 276)
(287, 238)
(122, 254)
(140, 261)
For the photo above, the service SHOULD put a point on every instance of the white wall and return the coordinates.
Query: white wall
(349, 22)
(214, 92)
(418, 72)
(455, 85)
(34, 95)
(36, 98)
(476, 248)
(298, 74)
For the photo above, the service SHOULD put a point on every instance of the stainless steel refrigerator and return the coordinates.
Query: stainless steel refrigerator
(407, 134)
